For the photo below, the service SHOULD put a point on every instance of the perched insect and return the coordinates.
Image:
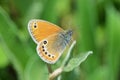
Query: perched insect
(51, 40)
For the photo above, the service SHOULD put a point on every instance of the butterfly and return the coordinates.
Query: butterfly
(51, 40)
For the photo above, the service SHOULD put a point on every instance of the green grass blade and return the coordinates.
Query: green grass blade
(113, 38)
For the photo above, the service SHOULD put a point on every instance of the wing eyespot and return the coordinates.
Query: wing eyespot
(46, 53)
(42, 46)
(35, 25)
(45, 42)
(49, 55)
(43, 50)
(52, 56)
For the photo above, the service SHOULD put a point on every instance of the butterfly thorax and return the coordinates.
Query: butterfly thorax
(67, 35)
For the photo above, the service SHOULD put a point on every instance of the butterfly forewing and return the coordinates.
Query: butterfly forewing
(40, 29)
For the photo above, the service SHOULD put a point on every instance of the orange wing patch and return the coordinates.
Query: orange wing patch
(40, 29)
(45, 55)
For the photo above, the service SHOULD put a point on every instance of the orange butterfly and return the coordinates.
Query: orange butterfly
(51, 40)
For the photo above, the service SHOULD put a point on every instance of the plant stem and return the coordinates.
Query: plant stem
(49, 68)
(59, 70)
(56, 73)
(68, 53)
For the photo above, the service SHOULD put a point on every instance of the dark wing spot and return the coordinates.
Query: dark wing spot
(49, 55)
(42, 46)
(45, 52)
(35, 26)
(52, 56)
(45, 42)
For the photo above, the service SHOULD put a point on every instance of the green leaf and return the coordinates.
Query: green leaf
(75, 62)
(17, 51)
(36, 69)
(3, 57)
(113, 40)
(87, 22)
(100, 73)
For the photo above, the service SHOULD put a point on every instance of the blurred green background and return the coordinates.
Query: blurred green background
(96, 27)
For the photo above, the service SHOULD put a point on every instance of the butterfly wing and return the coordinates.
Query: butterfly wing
(51, 48)
(40, 29)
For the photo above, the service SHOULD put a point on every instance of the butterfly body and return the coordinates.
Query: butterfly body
(51, 40)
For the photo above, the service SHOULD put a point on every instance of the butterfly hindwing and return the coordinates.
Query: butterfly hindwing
(51, 48)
